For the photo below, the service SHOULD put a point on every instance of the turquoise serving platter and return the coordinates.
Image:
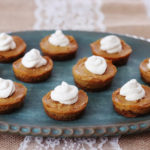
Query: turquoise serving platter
(99, 118)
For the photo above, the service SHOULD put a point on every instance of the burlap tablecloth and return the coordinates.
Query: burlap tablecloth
(127, 17)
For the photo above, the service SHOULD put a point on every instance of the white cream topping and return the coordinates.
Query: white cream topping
(132, 90)
(58, 39)
(6, 42)
(111, 44)
(33, 59)
(148, 64)
(65, 93)
(96, 65)
(7, 88)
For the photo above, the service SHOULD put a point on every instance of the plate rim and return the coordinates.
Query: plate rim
(78, 131)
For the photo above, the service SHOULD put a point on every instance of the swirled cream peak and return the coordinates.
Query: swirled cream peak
(132, 90)
(111, 44)
(58, 39)
(6, 42)
(65, 93)
(7, 88)
(96, 65)
(148, 64)
(33, 59)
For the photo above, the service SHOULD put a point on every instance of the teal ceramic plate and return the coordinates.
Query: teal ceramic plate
(99, 119)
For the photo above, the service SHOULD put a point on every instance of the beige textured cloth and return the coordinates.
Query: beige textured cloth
(127, 17)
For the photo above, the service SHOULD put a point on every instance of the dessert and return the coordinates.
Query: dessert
(113, 48)
(33, 67)
(12, 95)
(65, 102)
(145, 70)
(11, 47)
(132, 99)
(59, 46)
(93, 73)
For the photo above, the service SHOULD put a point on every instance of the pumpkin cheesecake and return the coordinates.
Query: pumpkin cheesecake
(145, 70)
(33, 67)
(112, 48)
(59, 46)
(132, 99)
(11, 47)
(65, 102)
(12, 95)
(93, 73)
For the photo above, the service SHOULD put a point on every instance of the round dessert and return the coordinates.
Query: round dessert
(33, 67)
(112, 48)
(65, 102)
(59, 46)
(11, 47)
(145, 70)
(132, 99)
(12, 95)
(93, 73)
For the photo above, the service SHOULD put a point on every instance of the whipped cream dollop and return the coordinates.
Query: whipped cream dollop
(148, 64)
(7, 88)
(58, 39)
(65, 93)
(6, 42)
(111, 44)
(132, 90)
(96, 65)
(33, 59)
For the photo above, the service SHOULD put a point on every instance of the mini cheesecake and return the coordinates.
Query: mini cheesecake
(14, 54)
(14, 101)
(144, 70)
(57, 52)
(92, 82)
(132, 108)
(65, 102)
(117, 58)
